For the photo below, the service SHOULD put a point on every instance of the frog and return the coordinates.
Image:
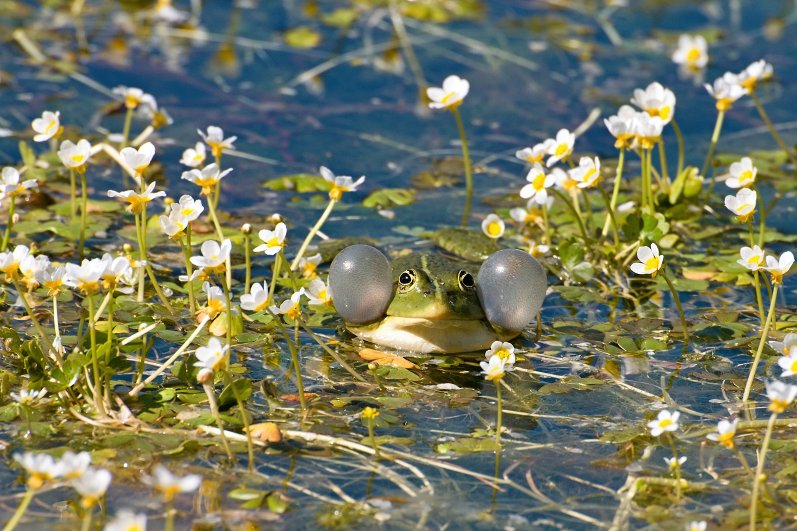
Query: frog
(430, 303)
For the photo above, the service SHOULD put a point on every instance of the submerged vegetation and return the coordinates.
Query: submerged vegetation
(167, 333)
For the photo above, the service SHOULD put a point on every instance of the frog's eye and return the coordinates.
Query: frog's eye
(466, 280)
(407, 278)
(361, 284)
(511, 286)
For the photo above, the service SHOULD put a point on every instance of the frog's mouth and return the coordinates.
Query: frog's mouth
(438, 336)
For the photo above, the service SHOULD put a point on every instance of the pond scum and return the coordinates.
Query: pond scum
(141, 356)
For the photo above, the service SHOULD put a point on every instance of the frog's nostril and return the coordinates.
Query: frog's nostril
(427, 292)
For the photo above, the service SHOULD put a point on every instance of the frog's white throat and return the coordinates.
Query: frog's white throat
(431, 335)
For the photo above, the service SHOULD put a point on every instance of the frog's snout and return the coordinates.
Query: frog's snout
(511, 286)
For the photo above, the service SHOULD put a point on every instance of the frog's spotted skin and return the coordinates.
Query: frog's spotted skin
(427, 303)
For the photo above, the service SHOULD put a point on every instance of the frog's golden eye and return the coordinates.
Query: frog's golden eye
(407, 278)
(466, 280)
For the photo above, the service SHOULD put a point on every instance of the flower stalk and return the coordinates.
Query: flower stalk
(764, 333)
(468, 170)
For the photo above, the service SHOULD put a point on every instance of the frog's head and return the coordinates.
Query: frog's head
(427, 303)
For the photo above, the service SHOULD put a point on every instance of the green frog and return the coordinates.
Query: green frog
(428, 303)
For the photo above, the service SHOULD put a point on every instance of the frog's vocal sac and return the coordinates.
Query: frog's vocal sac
(424, 302)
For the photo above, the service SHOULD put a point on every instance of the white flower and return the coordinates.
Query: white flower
(273, 240)
(742, 204)
(505, 351)
(692, 51)
(10, 261)
(531, 214)
(493, 226)
(751, 258)
(650, 261)
(656, 101)
(137, 200)
(726, 431)
(40, 468)
(755, 73)
(697, 525)
(138, 159)
(174, 224)
(216, 141)
(131, 96)
(318, 293)
(170, 485)
(537, 249)
(290, 307)
(52, 278)
(127, 520)
(647, 130)
(672, 463)
(257, 298)
(75, 156)
(450, 96)
(189, 207)
(27, 397)
(10, 186)
(92, 485)
(535, 154)
(216, 302)
(214, 256)
(742, 174)
(115, 270)
(74, 465)
(780, 395)
(788, 363)
(539, 182)
(621, 126)
(561, 147)
(666, 421)
(86, 276)
(46, 127)
(308, 265)
(494, 369)
(565, 181)
(194, 157)
(726, 90)
(340, 183)
(787, 347)
(208, 177)
(588, 172)
(30, 269)
(778, 267)
(211, 359)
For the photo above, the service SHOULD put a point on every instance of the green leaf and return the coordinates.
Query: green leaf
(302, 37)
(298, 182)
(389, 198)
(242, 386)
(388, 372)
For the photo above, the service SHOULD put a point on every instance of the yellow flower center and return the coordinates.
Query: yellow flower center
(693, 55)
(535, 158)
(724, 104)
(746, 178)
(778, 406)
(52, 124)
(652, 264)
(755, 259)
(336, 193)
(448, 97)
(294, 312)
(588, 176)
(662, 112)
(216, 306)
(726, 439)
(309, 270)
(665, 423)
(503, 354)
(77, 159)
(494, 229)
(561, 150)
(274, 242)
(539, 182)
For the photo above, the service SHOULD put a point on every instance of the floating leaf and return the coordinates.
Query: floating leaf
(386, 358)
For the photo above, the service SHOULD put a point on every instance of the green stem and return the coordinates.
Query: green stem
(569, 203)
(214, 410)
(84, 202)
(588, 210)
(618, 177)
(680, 138)
(611, 217)
(169, 524)
(313, 231)
(72, 194)
(499, 415)
(142, 246)
(185, 244)
(761, 343)
(275, 272)
(247, 262)
(758, 479)
(663, 161)
(250, 447)
(677, 300)
(743, 461)
(468, 170)
(715, 136)
(546, 226)
(294, 362)
(774, 132)
(141, 258)
(677, 468)
(20, 512)
(86, 525)
(126, 129)
(762, 216)
(46, 343)
(95, 362)
(372, 438)
(9, 224)
(758, 298)
(109, 342)
(215, 219)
